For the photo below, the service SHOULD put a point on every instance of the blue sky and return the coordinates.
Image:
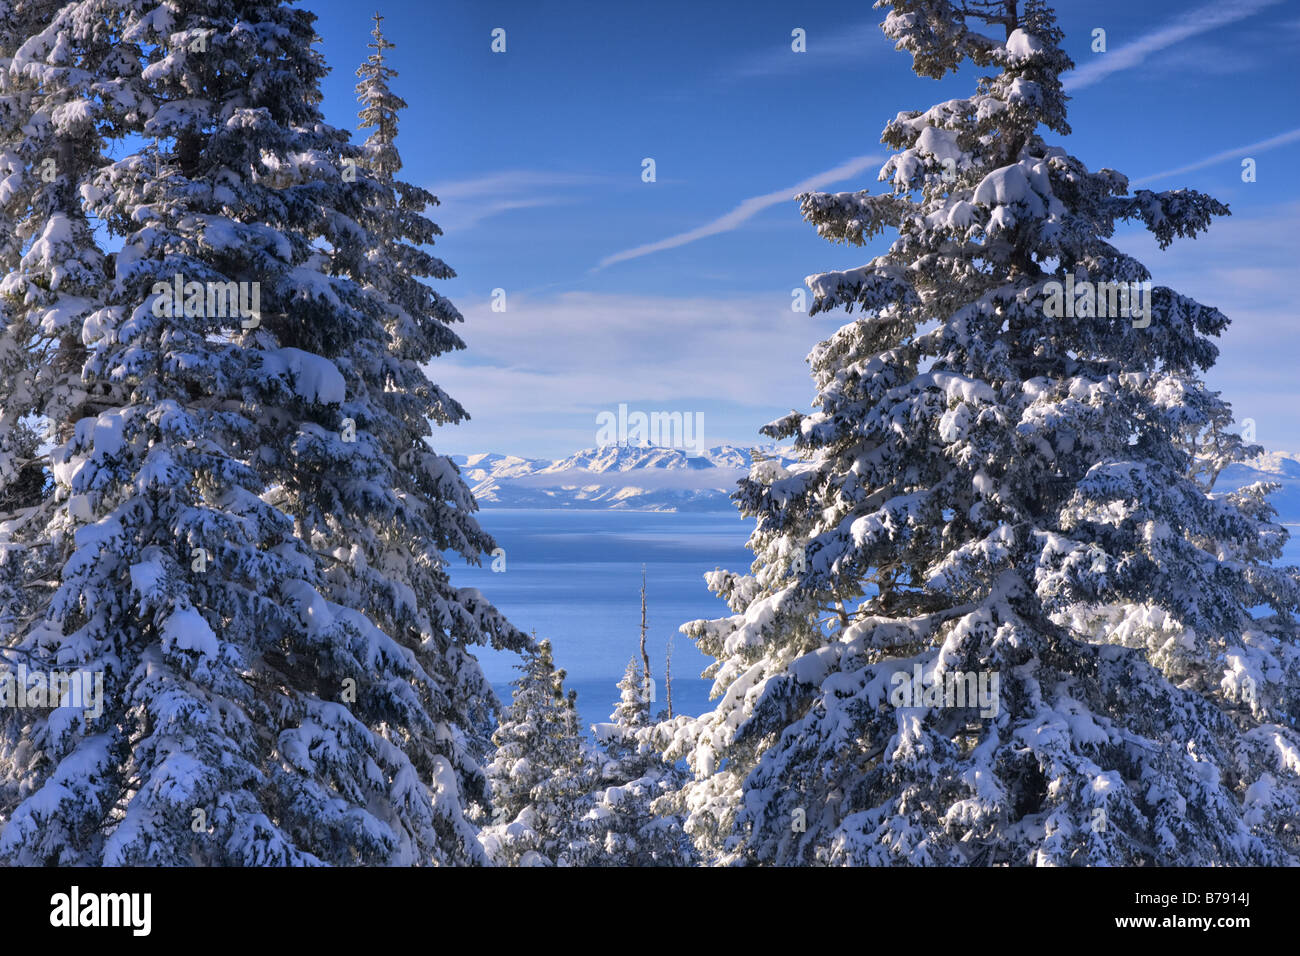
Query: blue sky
(676, 295)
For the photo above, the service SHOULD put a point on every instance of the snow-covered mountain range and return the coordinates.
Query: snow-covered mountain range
(1276, 466)
(634, 478)
(622, 477)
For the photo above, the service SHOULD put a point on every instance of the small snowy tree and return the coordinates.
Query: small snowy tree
(540, 772)
(984, 492)
(621, 827)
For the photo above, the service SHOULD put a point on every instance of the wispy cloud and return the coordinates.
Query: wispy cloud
(746, 210)
(534, 377)
(1190, 24)
(507, 181)
(1205, 59)
(1264, 144)
(467, 202)
(825, 48)
(1245, 267)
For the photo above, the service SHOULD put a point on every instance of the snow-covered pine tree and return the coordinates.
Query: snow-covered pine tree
(389, 548)
(52, 270)
(217, 502)
(620, 825)
(984, 490)
(541, 771)
(64, 79)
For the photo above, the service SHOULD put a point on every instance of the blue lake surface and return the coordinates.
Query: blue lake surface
(574, 577)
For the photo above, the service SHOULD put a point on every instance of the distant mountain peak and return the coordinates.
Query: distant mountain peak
(654, 478)
(623, 477)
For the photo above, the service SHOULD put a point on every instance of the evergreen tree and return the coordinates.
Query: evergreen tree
(52, 270)
(987, 491)
(540, 772)
(252, 521)
(64, 79)
(392, 545)
(621, 826)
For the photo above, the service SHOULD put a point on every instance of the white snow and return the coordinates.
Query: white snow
(1021, 44)
(314, 378)
(186, 630)
(942, 144)
(1009, 184)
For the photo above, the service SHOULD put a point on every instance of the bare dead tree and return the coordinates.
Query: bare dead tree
(645, 657)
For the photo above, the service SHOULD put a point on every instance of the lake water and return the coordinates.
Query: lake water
(575, 578)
